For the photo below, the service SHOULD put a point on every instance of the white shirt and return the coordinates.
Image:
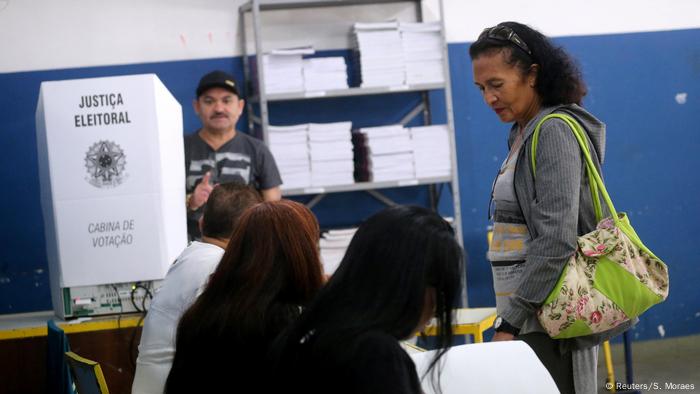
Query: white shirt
(183, 283)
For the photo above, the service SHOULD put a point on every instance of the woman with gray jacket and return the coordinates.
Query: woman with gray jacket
(523, 77)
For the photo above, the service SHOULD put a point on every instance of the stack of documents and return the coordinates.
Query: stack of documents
(431, 150)
(333, 244)
(390, 153)
(381, 58)
(331, 154)
(423, 52)
(284, 70)
(325, 73)
(290, 147)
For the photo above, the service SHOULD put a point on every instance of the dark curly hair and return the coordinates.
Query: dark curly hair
(559, 80)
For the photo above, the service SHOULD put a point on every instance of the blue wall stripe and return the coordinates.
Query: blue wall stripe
(632, 78)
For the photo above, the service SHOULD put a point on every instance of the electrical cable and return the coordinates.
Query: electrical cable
(133, 349)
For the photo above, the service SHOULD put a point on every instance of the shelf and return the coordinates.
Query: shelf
(262, 117)
(351, 92)
(365, 186)
(266, 5)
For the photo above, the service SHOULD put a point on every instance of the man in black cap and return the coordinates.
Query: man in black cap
(217, 153)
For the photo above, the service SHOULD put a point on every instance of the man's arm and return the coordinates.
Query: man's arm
(267, 174)
(272, 194)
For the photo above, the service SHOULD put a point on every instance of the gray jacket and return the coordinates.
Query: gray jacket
(557, 209)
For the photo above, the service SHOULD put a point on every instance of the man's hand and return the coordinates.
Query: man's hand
(502, 336)
(201, 192)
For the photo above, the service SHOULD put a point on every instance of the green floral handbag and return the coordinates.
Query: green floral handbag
(612, 277)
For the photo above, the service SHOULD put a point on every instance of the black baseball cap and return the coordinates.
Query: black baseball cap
(219, 79)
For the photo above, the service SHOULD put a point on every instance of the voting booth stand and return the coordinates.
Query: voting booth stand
(111, 169)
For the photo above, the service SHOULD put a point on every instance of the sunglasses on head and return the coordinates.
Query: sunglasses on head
(505, 33)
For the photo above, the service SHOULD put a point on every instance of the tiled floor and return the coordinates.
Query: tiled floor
(660, 366)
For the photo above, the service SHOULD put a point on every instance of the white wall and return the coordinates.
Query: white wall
(466, 19)
(52, 34)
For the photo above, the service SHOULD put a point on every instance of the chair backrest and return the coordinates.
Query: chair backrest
(87, 375)
(58, 376)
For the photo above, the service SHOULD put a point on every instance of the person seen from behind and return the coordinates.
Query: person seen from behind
(270, 270)
(184, 281)
(402, 267)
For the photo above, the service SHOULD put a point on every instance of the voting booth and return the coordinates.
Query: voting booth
(493, 367)
(111, 168)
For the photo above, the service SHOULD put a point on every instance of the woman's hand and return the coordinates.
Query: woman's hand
(502, 336)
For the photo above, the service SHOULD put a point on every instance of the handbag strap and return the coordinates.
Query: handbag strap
(595, 181)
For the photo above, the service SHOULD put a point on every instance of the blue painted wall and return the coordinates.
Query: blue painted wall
(633, 80)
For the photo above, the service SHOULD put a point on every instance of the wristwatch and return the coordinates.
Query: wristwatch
(500, 325)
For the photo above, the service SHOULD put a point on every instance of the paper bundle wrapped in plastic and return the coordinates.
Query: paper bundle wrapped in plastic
(325, 73)
(333, 245)
(284, 70)
(331, 154)
(431, 151)
(380, 54)
(389, 153)
(423, 52)
(290, 147)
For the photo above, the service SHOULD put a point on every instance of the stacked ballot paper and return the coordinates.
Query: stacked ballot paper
(325, 73)
(284, 70)
(389, 153)
(290, 147)
(381, 58)
(431, 151)
(333, 245)
(423, 52)
(330, 147)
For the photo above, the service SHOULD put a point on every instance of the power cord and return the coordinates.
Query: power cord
(133, 349)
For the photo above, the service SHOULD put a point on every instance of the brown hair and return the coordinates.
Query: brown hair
(273, 252)
(225, 205)
(270, 268)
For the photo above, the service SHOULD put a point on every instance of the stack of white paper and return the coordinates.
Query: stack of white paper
(390, 153)
(284, 70)
(431, 151)
(422, 50)
(325, 73)
(331, 154)
(333, 245)
(290, 147)
(381, 54)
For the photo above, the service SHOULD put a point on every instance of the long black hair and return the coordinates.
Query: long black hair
(559, 80)
(394, 258)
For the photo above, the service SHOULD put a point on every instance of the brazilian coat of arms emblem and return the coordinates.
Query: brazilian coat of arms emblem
(105, 162)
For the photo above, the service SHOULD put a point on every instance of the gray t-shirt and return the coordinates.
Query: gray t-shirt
(243, 159)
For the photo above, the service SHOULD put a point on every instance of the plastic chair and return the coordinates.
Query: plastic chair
(87, 375)
(58, 376)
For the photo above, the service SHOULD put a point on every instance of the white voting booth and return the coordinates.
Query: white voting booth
(485, 368)
(111, 167)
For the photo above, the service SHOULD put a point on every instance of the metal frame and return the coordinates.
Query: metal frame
(254, 7)
(266, 5)
(355, 91)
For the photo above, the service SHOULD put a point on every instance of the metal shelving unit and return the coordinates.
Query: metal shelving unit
(255, 7)
(354, 91)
